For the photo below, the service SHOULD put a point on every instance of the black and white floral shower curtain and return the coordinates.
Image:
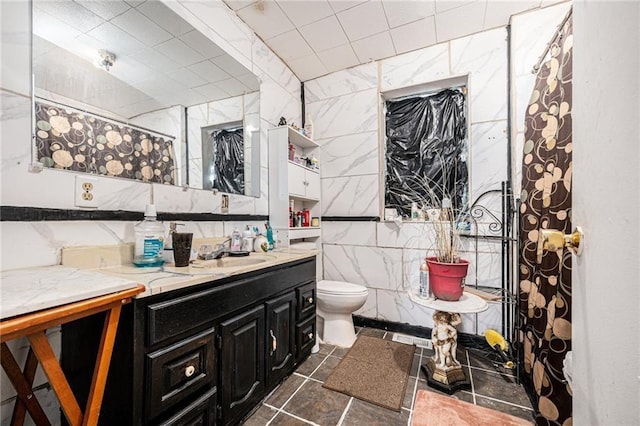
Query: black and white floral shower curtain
(545, 277)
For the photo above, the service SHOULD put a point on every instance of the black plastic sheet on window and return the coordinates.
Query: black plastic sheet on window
(426, 151)
(228, 154)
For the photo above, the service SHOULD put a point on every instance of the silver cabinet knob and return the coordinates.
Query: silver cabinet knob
(310, 335)
(188, 372)
(310, 300)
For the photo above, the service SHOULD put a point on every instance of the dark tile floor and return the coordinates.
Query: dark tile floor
(301, 399)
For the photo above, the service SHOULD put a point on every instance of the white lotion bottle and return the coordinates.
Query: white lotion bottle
(308, 127)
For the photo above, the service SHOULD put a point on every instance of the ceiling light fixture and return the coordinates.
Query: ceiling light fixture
(107, 59)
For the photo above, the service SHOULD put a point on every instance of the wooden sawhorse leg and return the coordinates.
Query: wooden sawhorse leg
(59, 382)
(22, 382)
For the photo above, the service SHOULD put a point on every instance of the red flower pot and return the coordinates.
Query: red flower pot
(447, 279)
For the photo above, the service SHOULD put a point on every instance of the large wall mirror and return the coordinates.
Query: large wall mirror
(129, 89)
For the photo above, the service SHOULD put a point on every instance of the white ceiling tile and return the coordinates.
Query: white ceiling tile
(444, 5)
(187, 77)
(460, 21)
(141, 27)
(232, 86)
(51, 28)
(209, 71)
(106, 9)
(135, 3)
(132, 71)
(164, 17)
(375, 47)
(339, 58)
(202, 44)
(289, 45)
(363, 20)
(238, 4)
(499, 12)
(211, 91)
(116, 40)
(156, 60)
(545, 3)
(230, 65)
(305, 12)
(178, 51)
(70, 13)
(324, 34)
(340, 5)
(266, 19)
(415, 35)
(308, 68)
(404, 11)
(250, 80)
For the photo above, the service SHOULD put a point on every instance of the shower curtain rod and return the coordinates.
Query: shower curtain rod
(538, 64)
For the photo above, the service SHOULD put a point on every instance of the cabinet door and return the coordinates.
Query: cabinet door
(280, 336)
(313, 185)
(242, 363)
(296, 180)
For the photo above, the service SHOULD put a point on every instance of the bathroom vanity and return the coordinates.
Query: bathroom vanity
(203, 353)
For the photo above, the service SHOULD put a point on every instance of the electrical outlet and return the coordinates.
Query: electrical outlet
(85, 192)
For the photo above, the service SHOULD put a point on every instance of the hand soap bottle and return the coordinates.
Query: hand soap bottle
(149, 244)
(236, 240)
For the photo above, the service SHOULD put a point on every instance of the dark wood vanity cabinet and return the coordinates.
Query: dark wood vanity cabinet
(202, 355)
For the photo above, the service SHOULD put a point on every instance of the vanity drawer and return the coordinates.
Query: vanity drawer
(305, 336)
(179, 370)
(306, 300)
(202, 412)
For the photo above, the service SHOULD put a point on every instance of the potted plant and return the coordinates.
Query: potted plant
(447, 270)
(447, 219)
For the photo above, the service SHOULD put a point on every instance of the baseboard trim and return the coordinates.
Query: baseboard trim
(465, 339)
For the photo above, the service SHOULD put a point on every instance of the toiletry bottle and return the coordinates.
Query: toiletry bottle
(270, 240)
(149, 243)
(247, 240)
(306, 217)
(308, 127)
(236, 240)
(425, 290)
(168, 243)
(414, 211)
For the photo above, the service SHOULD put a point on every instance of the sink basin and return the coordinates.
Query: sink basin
(231, 262)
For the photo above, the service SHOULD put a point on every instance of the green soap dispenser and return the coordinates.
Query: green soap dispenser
(149, 244)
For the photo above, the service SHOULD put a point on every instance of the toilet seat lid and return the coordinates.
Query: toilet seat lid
(340, 287)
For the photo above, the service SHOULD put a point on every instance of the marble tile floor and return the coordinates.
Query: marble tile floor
(301, 400)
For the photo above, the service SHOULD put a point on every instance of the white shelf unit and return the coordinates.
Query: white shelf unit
(291, 181)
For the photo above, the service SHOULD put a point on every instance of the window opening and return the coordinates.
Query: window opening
(426, 151)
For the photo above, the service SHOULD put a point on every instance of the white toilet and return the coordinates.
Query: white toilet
(337, 300)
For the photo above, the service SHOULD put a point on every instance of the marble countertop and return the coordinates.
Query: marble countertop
(28, 290)
(168, 277)
(33, 289)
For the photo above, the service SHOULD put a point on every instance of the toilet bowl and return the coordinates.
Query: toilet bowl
(337, 300)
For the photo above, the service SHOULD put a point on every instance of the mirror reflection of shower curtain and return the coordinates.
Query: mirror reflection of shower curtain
(228, 160)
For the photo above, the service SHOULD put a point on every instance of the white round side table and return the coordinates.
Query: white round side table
(443, 370)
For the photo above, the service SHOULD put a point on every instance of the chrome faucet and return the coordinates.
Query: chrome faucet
(217, 252)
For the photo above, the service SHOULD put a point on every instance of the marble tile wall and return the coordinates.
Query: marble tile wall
(346, 109)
